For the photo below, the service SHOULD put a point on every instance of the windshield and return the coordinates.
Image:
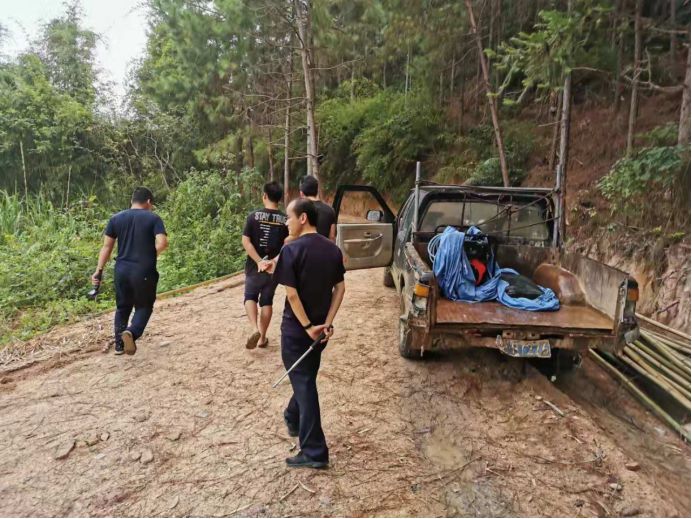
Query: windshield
(516, 220)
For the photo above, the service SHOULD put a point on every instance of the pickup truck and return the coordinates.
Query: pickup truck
(597, 302)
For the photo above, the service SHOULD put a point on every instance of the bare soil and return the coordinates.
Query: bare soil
(191, 426)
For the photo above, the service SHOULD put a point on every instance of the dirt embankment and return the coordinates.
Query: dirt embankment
(191, 426)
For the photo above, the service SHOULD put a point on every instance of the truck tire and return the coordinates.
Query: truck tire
(407, 349)
(388, 280)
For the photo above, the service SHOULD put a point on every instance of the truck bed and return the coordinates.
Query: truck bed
(582, 318)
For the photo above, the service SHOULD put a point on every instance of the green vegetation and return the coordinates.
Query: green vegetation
(220, 101)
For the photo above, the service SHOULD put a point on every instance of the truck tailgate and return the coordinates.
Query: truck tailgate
(581, 318)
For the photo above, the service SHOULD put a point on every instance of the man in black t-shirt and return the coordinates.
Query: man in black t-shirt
(311, 268)
(263, 236)
(326, 217)
(141, 237)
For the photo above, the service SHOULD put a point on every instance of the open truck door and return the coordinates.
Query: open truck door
(365, 227)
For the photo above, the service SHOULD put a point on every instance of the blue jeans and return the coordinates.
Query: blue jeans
(134, 289)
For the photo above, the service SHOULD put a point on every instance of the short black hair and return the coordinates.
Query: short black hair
(141, 195)
(307, 207)
(309, 185)
(274, 191)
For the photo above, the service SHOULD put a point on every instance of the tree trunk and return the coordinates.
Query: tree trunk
(684, 126)
(452, 75)
(408, 60)
(270, 154)
(556, 133)
(491, 100)
(672, 29)
(634, 99)
(240, 159)
(250, 150)
(303, 15)
(620, 57)
(287, 131)
(69, 178)
(26, 183)
(561, 174)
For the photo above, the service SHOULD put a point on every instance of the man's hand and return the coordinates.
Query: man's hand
(315, 331)
(272, 266)
(96, 277)
(264, 265)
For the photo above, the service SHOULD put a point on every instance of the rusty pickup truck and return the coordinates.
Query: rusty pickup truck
(597, 302)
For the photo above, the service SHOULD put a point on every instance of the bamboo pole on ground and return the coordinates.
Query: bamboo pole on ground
(639, 394)
(663, 360)
(659, 381)
(643, 360)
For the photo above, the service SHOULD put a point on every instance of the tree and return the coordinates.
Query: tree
(492, 101)
(634, 98)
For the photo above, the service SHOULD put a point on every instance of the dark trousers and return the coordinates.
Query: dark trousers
(303, 410)
(134, 289)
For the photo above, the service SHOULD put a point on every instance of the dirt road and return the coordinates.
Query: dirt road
(191, 426)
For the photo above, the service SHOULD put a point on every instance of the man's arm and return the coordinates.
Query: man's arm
(252, 252)
(104, 256)
(161, 243)
(337, 298)
(332, 233)
(299, 311)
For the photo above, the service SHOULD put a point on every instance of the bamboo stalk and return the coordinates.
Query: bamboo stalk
(663, 360)
(674, 357)
(656, 379)
(669, 352)
(664, 327)
(675, 345)
(665, 370)
(645, 400)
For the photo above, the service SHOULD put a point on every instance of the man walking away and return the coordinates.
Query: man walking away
(263, 236)
(312, 269)
(326, 218)
(141, 237)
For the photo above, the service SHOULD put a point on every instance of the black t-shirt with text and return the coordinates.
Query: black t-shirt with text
(267, 231)
(313, 265)
(325, 218)
(136, 230)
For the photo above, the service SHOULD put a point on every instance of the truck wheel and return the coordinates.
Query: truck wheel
(406, 347)
(388, 280)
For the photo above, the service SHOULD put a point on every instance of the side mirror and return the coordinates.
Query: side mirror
(374, 216)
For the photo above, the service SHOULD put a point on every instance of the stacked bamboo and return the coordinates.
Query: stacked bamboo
(661, 356)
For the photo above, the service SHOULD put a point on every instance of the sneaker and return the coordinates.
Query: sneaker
(292, 429)
(119, 349)
(129, 342)
(251, 343)
(301, 460)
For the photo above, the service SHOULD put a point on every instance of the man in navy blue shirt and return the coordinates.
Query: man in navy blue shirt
(141, 237)
(311, 268)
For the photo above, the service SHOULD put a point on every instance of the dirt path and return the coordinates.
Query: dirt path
(462, 433)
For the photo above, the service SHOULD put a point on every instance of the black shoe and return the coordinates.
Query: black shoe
(129, 341)
(301, 460)
(292, 429)
(119, 349)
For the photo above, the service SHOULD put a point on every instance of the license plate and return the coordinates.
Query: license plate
(516, 348)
